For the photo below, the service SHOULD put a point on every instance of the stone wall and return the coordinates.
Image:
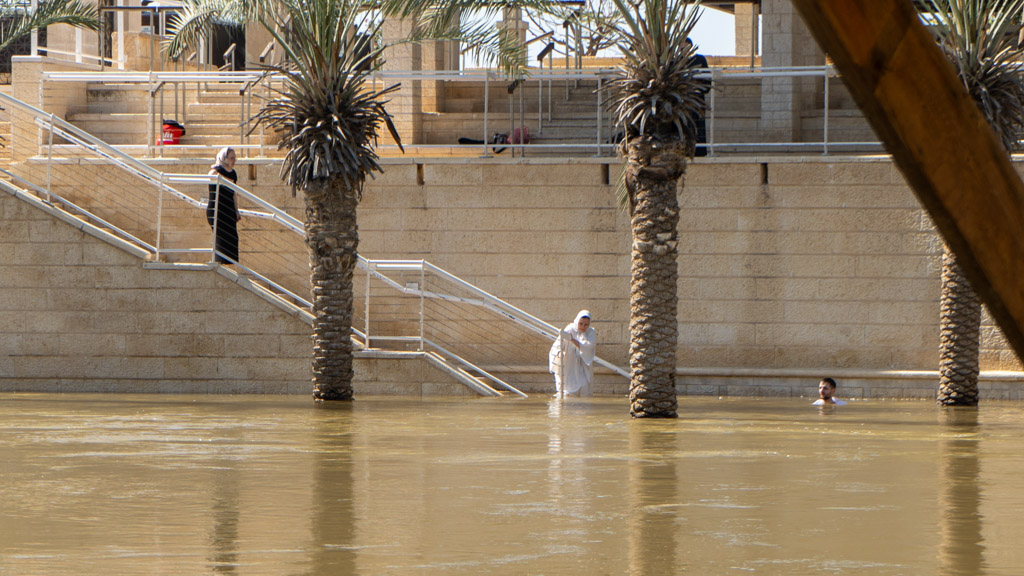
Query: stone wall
(79, 314)
(789, 269)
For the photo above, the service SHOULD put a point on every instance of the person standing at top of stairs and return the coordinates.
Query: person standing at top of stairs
(222, 203)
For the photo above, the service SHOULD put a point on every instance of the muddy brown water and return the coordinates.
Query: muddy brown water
(104, 484)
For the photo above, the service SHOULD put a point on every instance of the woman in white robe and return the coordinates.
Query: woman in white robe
(572, 356)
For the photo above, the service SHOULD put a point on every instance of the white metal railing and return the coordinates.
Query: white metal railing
(603, 134)
(437, 293)
(450, 309)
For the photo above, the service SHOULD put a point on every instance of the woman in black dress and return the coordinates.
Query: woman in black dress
(222, 202)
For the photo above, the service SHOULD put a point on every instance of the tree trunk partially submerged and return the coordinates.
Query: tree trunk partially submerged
(332, 237)
(959, 337)
(652, 174)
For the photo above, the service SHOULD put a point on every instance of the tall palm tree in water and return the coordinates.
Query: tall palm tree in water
(328, 116)
(980, 38)
(17, 20)
(657, 99)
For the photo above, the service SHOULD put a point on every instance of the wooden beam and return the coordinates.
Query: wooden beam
(938, 138)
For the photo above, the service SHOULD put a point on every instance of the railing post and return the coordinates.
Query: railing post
(160, 214)
(551, 62)
(710, 132)
(34, 35)
(216, 213)
(241, 121)
(540, 102)
(522, 120)
(423, 290)
(149, 127)
(248, 115)
(160, 89)
(366, 314)
(49, 160)
(487, 100)
(175, 84)
(511, 121)
(825, 128)
(599, 119)
(266, 98)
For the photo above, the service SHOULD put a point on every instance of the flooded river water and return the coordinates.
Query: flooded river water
(104, 484)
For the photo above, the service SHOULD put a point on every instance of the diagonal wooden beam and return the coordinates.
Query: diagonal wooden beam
(938, 138)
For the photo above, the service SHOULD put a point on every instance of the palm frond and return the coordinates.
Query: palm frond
(77, 13)
(326, 114)
(980, 38)
(657, 93)
(189, 26)
(448, 20)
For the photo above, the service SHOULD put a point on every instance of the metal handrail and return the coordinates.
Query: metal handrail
(229, 54)
(602, 145)
(98, 59)
(482, 298)
(467, 364)
(82, 213)
(270, 46)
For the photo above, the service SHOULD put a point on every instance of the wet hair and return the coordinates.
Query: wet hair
(829, 381)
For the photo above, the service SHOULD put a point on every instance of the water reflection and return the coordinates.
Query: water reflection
(653, 492)
(260, 485)
(226, 517)
(962, 548)
(334, 523)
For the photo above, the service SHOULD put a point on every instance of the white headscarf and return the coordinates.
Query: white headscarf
(222, 156)
(582, 314)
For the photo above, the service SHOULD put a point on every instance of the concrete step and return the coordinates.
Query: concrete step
(104, 125)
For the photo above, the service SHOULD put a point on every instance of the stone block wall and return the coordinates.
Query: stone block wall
(789, 269)
(78, 314)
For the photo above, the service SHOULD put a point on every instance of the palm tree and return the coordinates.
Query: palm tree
(980, 38)
(657, 97)
(328, 117)
(19, 21)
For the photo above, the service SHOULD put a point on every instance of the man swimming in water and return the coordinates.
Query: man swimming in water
(826, 391)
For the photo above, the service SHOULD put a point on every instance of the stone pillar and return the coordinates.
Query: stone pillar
(256, 39)
(512, 23)
(436, 55)
(406, 105)
(787, 42)
(746, 27)
(73, 41)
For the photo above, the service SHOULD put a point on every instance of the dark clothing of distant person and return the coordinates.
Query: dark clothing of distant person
(227, 217)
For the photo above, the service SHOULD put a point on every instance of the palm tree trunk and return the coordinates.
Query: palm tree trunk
(332, 237)
(652, 173)
(959, 330)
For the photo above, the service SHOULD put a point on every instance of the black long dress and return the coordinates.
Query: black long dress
(227, 218)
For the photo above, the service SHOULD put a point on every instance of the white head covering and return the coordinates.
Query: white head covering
(222, 156)
(582, 314)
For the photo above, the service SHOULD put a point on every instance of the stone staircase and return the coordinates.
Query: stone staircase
(571, 119)
(119, 115)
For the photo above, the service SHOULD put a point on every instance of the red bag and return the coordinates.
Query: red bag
(171, 133)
